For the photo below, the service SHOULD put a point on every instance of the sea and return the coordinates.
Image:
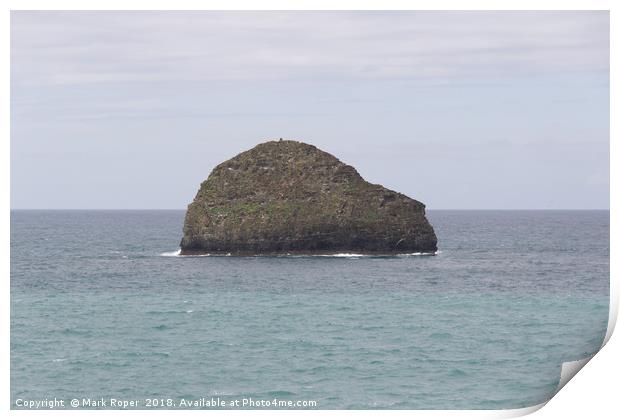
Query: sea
(103, 307)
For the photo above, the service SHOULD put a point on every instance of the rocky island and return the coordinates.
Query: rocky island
(288, 197)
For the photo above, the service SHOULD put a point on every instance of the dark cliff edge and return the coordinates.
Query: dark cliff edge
(287, 197)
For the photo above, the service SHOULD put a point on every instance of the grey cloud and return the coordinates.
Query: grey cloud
(64, 48)
(457, 109)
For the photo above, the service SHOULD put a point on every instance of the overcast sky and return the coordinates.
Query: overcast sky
(456, 109)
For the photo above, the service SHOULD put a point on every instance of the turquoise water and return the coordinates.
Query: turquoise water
(98, 312)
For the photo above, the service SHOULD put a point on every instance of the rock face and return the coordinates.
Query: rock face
(290, 197)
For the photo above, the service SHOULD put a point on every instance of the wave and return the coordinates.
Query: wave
(345, 255)
(342, 255)
(357, 256)
(177, 253)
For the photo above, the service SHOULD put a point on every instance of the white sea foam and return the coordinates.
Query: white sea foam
(342, 255)
(176, 253)
(346, 255)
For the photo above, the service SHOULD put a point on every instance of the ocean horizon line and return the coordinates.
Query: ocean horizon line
(428, 209)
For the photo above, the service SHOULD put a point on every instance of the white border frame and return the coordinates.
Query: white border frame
(575, 400)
